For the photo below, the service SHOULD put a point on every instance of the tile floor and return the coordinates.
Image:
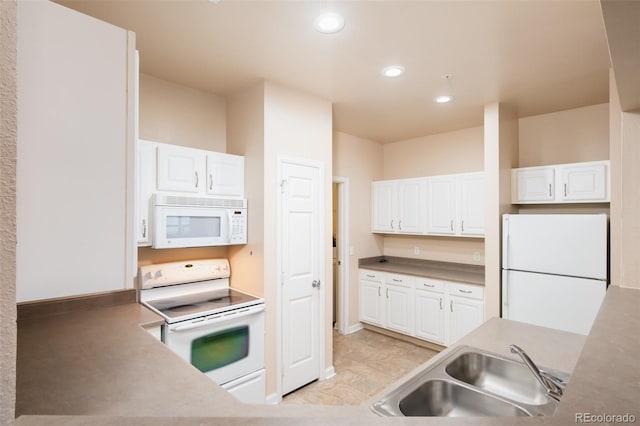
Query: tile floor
(365, 362)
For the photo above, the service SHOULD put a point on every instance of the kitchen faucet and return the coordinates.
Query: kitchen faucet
(552, 384)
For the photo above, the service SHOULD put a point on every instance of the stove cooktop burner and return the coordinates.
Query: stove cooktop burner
(201, 304)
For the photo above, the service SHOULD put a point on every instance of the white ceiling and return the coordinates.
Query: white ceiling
(539, 56)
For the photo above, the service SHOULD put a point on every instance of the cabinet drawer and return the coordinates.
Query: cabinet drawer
(466, 290)
(401, 280)
(429, 284)
(366, 274)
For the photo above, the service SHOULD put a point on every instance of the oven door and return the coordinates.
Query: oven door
(190, 227)
(223, 346)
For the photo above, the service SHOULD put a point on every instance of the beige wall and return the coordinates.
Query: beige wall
(298, 126)
(360, 161)
(8, 135)
(459, 151)
(179, 115)
(267, 122)
(615, 154)
(444, 153)
(571, 136)
(500, 155)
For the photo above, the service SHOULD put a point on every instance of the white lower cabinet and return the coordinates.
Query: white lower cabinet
(429, 310)
(249, 389)
(399, 301)
(466, 310)
(438, 311)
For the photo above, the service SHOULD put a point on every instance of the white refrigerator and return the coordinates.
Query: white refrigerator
(554, 269)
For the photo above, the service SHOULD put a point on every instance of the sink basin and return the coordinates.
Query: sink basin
(449, 399)
(507, 378)
(470, 382)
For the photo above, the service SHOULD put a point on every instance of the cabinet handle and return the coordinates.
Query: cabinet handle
(441, 303)
(210, 181)
(550, 191)
(400, 225)
(387, 293)
(371, 276)
(379, 291)
(465, 291)
(462, 225)
(565, 189)
(144, 228)
(391, 223)
(398, 281)
(197, 180)
(428, 285)
(451, 224)
(451, 305)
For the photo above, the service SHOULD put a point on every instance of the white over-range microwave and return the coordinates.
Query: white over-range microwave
(184, 221)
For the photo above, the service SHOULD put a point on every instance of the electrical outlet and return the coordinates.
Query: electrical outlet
(416, 250)
(476, 256)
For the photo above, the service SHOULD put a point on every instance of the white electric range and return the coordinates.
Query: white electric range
(219, 330)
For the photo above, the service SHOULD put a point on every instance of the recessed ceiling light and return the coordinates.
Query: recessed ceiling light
(443, 99)
(329, 23)
(393, 71)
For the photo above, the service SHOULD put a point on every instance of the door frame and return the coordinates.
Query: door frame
(322, 373)
(343, 253)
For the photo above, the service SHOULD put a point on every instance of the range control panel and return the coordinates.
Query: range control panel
(164, 274)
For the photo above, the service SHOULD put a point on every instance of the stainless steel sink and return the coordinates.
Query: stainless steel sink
(504, 377)
(449, 399)
(470, 382)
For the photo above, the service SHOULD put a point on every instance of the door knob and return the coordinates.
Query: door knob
(315, 283)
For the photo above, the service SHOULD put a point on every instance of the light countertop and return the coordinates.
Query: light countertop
(101, 367)
(457, 272)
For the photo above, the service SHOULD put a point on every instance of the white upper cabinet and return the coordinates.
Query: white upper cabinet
(145, 185)
(180, 169)
(383, 206)
(455, 204)
(561, 183)
(398, 206)
(533, 184)
(584, 182)
(471, 208)
(225, 174)
(441, 204)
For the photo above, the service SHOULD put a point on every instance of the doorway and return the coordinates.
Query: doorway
(341, 252)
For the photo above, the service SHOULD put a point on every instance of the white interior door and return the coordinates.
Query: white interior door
(302, 268)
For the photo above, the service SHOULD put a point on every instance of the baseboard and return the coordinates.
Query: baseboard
(273, 399)
(354, 328)
(329, 372)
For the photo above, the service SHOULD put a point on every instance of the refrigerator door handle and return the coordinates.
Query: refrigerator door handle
(505, 241)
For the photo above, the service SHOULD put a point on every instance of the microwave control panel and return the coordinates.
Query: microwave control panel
(238, 226)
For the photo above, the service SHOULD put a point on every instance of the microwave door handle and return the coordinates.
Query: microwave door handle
(227, 316)
(230, 226)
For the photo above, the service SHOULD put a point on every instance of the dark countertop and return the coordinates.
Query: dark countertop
(101, 367)
(457, 272)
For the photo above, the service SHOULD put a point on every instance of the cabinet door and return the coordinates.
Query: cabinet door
(371, 309)
(180, 169)
(411, 206)
(225, 174)
(464, 315)
(535, 184)
(429, 315)
(584, 182)
(441, 204)
(383, 199)
(471, 190)
(145, 185)
(399, 301)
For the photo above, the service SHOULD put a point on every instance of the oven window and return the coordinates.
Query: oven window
(219, 349)
(193, 226)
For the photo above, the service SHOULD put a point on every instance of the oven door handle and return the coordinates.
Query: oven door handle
(225, 316)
